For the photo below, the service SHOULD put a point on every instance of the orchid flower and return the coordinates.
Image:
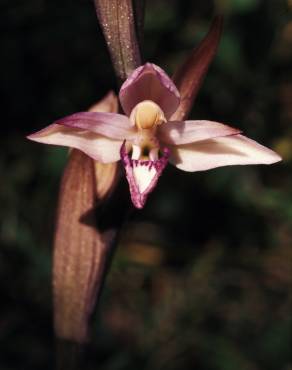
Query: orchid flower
(145, 139)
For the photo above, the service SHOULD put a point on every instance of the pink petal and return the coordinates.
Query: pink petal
(112, 125)
(95, 146)
(221, 151)
(149, 82)
(191, 131)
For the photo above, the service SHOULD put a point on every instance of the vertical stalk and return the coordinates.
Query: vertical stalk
(117, 21)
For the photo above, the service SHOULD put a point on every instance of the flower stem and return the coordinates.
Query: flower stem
(117, 21)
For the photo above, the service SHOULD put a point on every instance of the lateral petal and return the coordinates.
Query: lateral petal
(111, 125)
(95, 146)
(149, 82)
(221, 151)
(186, 132)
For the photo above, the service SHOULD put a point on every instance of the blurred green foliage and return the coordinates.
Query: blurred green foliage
(202, 277)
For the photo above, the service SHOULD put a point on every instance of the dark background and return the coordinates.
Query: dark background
(202, 277)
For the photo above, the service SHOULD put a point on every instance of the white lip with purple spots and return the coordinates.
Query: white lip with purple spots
(142, 175)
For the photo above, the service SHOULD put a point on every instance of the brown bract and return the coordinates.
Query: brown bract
(190, 75)
(80, 248)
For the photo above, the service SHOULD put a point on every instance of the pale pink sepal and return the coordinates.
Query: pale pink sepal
(221, 151)
(112, 125)
(149, 82)
(186, 132)
(153, 168)
(95, 146)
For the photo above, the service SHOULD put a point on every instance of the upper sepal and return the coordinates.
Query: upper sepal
(149, 82)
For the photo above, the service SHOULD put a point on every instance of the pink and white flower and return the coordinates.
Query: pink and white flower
(145, 139)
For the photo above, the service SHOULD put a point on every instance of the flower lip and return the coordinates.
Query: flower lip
(142, 175)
